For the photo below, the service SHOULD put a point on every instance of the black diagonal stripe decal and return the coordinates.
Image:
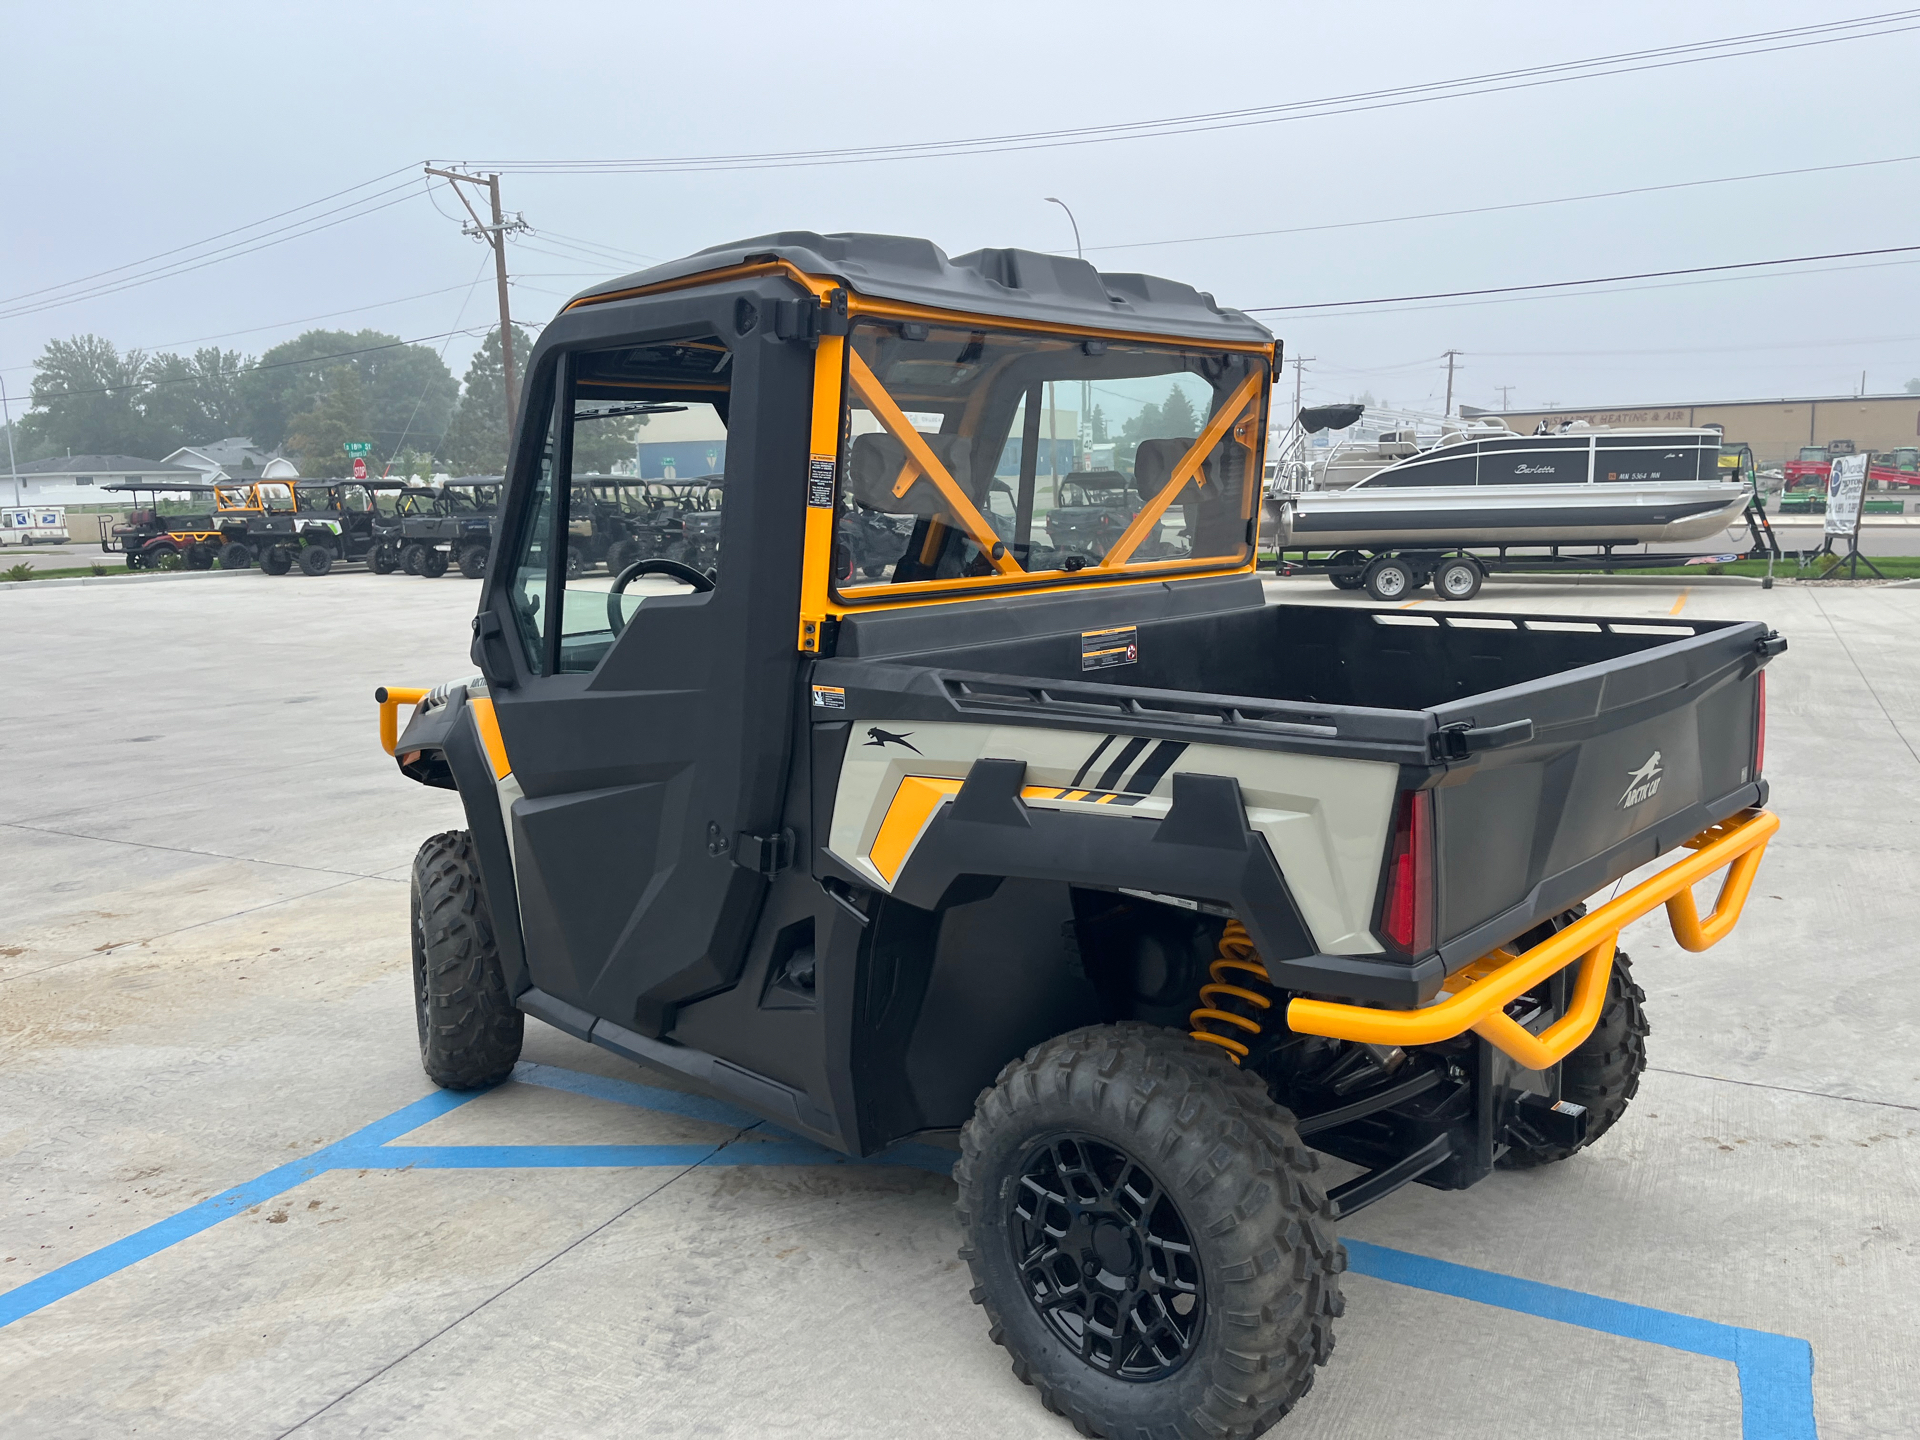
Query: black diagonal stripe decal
(1098, 750)
(1129, 752)
(1155, 766)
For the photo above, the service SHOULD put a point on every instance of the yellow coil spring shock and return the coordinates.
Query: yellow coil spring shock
(1236, 954)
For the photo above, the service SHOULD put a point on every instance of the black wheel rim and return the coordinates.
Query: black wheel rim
(1106, 1258)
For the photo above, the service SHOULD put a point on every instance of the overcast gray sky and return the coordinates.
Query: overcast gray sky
(136, 129)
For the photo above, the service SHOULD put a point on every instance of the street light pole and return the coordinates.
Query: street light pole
(1086, 387)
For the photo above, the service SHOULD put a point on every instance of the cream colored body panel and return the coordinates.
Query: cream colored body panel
(1324, 818)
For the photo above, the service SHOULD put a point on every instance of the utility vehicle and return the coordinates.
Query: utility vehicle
(309, 523)
(1143, 893)
(445, 525)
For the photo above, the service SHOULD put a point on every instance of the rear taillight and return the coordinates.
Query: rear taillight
(1760, 730)
(1407, 916)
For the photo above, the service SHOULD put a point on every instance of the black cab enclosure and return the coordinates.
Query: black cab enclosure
(943, 837)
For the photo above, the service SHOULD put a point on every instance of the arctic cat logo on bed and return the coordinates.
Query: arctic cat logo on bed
(1642, 783)
(883, 738)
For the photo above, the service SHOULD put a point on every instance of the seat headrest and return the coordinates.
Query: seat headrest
(875, 463)
(1153, 464)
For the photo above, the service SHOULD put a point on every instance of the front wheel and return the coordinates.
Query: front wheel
(315, 560)
(383, 560)
(235, 556)
(470, 1032)
(473, 562)
(277, 561)
(1147, 1237)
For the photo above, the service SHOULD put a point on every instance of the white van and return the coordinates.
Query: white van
(33, 525)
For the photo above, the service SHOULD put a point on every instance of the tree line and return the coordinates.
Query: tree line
(306, 398)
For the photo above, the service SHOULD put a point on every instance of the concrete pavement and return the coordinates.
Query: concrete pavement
(203, 977)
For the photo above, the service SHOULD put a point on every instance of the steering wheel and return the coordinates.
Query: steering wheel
(672, 569)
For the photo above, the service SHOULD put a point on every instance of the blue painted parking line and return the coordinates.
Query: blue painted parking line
(1775, 1371)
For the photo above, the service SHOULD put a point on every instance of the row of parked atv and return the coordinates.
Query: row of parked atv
(422, 530)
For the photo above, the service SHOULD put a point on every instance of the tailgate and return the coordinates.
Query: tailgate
(1628, 758)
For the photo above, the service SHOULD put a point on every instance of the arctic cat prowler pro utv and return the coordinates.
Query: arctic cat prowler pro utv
(1143, 893)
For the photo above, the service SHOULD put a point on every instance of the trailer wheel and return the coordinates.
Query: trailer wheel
(470, 1031)
(315, 560)
(1603, 1074)
(433, 563)
(1147, 1237)
(1458, 578)
(473, 562)
(277, 561)
(1390, 578)
(235, 557)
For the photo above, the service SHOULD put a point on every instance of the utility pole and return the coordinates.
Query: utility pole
(6, 413)
(1504, 390)
(1299, 363)
(1450, 356)
(496, 236)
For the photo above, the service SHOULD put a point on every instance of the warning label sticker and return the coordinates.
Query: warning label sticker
(1103, 649)
(829, 697)
(820, 480)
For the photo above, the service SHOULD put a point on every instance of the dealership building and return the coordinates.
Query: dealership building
(1776, 429)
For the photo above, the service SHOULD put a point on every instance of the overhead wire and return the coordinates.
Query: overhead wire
(197, 244)
(1527, 77)
(1594, 280)
(312, 226)
(1494, 209)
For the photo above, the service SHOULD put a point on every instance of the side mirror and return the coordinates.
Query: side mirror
(490, 651)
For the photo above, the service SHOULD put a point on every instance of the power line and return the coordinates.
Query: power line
(1626, 62)
(1595, 280)
(1492, 209)
(197, 244)
(313, 225)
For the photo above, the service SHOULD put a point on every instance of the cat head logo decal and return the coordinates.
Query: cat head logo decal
(1642, 783)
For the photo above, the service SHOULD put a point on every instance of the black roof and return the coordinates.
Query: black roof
(1017, 284)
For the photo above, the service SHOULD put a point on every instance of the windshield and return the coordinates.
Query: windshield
(976, 455)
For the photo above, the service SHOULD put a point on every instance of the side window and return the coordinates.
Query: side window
(639, 434)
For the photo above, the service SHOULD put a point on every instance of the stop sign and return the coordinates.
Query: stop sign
(359, 468)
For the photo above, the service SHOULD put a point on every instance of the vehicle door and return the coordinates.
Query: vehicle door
(648, 733)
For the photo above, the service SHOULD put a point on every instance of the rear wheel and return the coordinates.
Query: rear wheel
(200, 557)
(1390, 578)
(470, 1032)
(1457, 579)
(577, 563)
(235, 557)
(315, 560)
(433, 563)
(162, 557)
(473, 562)
(1603, 1074)
(411, 557)
(383, 560)
(620, 554)
(277, 561)
(1147, 1237)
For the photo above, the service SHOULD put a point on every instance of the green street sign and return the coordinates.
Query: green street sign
(357, 448)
